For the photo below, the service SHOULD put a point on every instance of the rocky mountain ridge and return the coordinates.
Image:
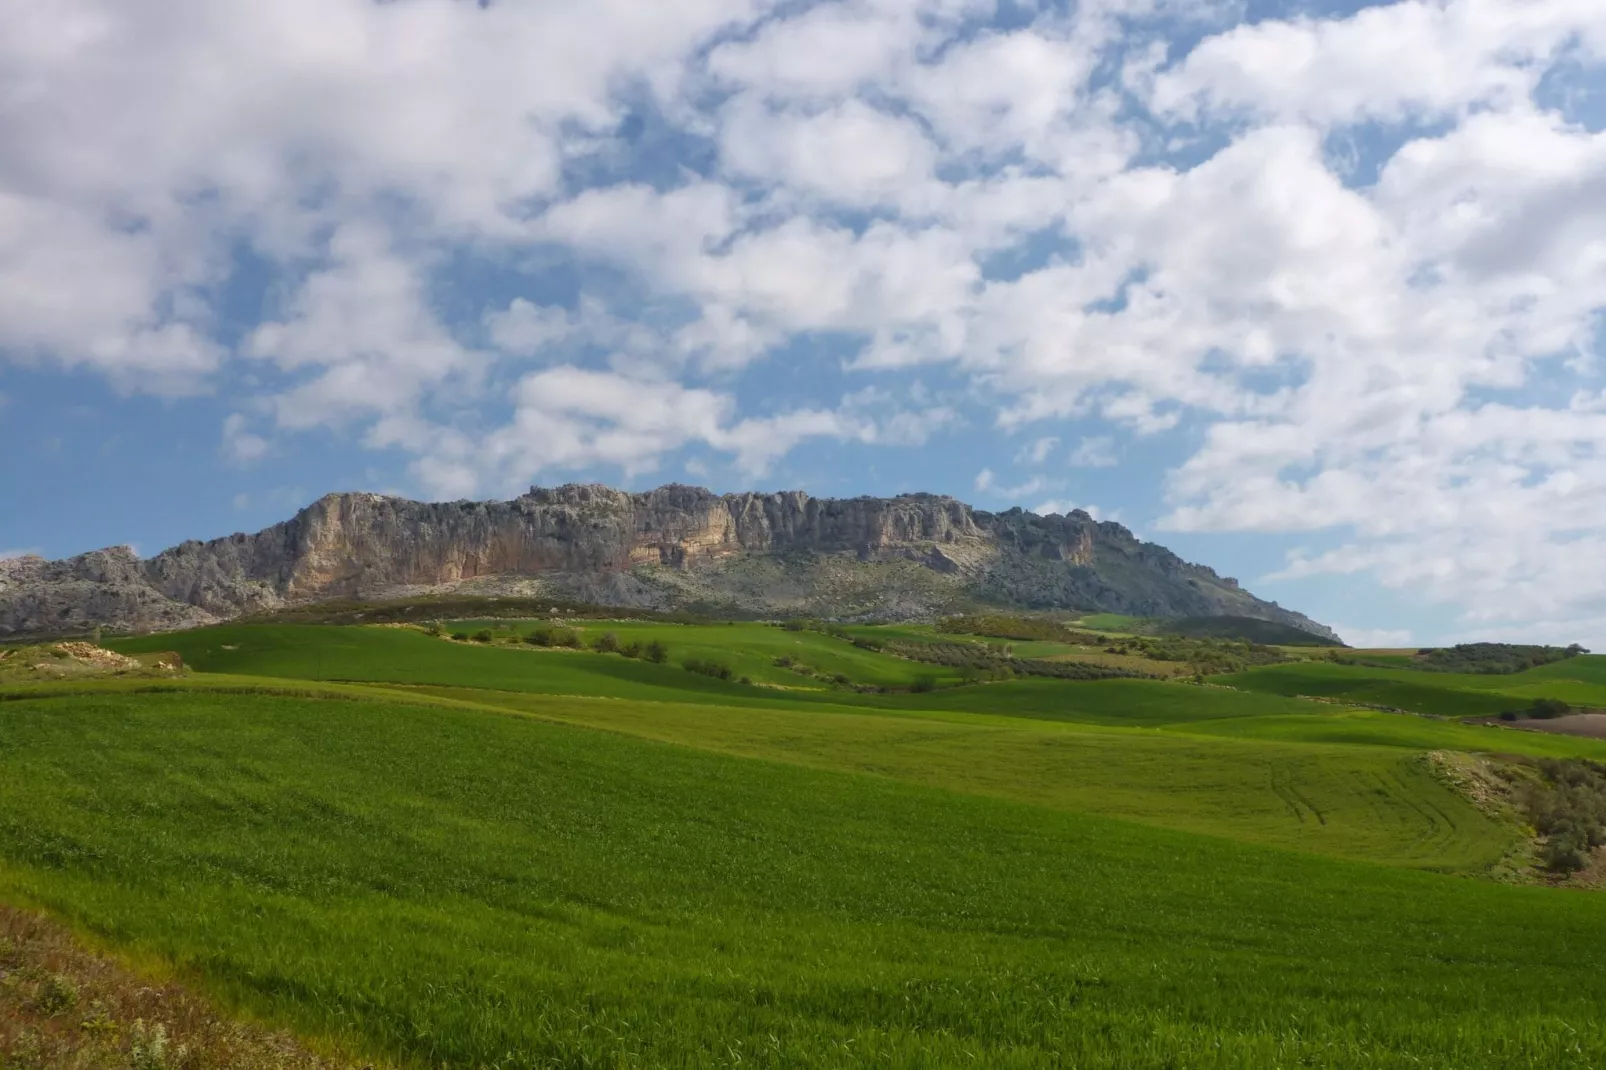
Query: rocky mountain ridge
(673, 547)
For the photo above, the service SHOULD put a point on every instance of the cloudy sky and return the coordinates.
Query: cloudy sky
(1311, 292)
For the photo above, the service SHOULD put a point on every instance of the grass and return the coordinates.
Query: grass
(440, 886)
(750, 650)
(405, 655)
(1449, 694)
(1363, 803)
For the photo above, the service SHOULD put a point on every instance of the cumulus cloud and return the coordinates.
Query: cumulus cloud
(1097, 214)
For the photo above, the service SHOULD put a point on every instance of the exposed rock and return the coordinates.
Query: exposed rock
(912, 555)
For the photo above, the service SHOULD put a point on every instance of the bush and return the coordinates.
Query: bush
(57, 994)
(607, 643)
(1569, 810)
(1493, 658)
(923, 684)
(1541, 709)
(461, 637)
(655, 652)
(841, 678)
(794, 626)
(785, 661)
(1546, 708)
(631, 649)
(483, 636)
(717, 670)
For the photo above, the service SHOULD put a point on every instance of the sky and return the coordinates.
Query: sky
(1310, 292)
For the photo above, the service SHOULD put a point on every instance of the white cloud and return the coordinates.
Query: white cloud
(988, 484)
(1385, 62)
(1065, 508)
(240, 445)
(1374, 638)
(1386, 356)
(851, 154)
(1096, 452)
(1038, 451)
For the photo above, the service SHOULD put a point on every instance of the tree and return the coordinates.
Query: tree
(656, 652)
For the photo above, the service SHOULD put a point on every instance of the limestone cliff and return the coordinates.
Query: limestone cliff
(913, 555)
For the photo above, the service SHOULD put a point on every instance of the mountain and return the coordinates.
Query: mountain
(675, 547)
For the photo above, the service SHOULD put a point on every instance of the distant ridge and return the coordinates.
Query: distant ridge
(915, 555)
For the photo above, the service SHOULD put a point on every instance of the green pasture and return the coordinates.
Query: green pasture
(406, 655)
(439, 886)
(1448, 694)
(1356, 802)
(749, 649)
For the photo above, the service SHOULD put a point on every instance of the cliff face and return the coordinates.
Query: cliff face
(785, 552)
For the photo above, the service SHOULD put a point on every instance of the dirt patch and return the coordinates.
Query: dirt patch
(62, 1006)
(1592, 725)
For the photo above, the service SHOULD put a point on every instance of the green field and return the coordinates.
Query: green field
(1580, 681)
(750, 650)
(438, 853)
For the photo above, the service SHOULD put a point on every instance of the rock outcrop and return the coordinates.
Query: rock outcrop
(912, 555)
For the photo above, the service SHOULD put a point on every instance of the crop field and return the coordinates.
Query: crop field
(429, 853)
(749, 649)
(1580, 681)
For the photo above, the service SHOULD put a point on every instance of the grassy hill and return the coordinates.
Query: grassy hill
(427, 852)
(1580, 681)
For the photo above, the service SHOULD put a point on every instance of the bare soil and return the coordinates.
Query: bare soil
(1592, 725)
(62, 1006)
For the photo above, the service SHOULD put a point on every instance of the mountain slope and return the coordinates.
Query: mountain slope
(784, 553)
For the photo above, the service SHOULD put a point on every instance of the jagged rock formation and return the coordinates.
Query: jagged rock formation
(913, 555)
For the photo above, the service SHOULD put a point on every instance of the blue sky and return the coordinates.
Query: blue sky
(1308, 292)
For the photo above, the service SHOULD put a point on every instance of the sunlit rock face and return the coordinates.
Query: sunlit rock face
(909, 556)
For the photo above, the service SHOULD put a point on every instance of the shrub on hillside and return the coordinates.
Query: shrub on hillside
(1001, 626)
(483, 636)
(544, 636)
(718, 670)
(1493, 658)
(1569, 810)
(655, 652)
(1541, 709)
(606, 643)
(461, 637)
